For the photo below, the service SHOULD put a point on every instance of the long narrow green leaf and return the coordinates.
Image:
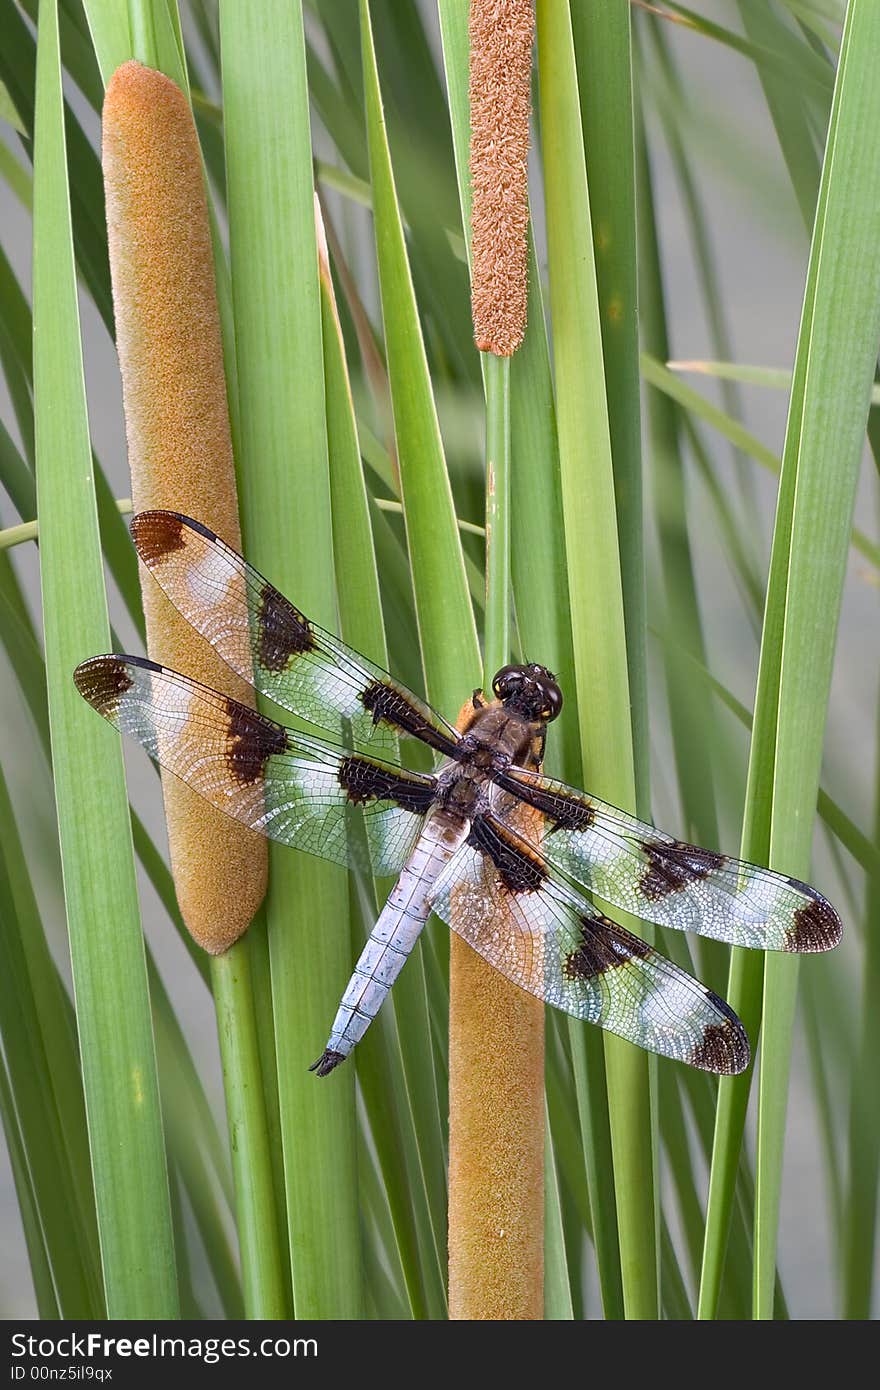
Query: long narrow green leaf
(595, 589)
(119, 1068)
(447, 633)
(776, 378)
(41, 1273)
(603, 53)
(110, 29)
(39, 1044)
(863, 1168)
(261, 1257)
(395, 1065)
(691, 731)
(834, 367)
(86, 190)
(450, 654)
(284, 490)
(557, 1287)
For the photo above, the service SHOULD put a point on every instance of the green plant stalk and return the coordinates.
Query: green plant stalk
(396, 1064)
(119, 1066)
(110, 29)
(834, 368)
(863, 1171)
(38, 1259)
(787, 108)
(39, 1042)
(261, 1267)
(558, 1305)
(603, 54)
(595, 593)
(496, 637)
(775, 378)
(691, 714)
(143, 32)
(30, 530)
(198, 1161)
(285, 499)
(540, 584)
(17, 68)
(447, 633)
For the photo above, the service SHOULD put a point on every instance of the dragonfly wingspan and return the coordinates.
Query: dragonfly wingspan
(339, 804)
(651, 875)
(276, 648)
(498, 896)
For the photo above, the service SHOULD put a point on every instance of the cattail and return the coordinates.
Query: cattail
(496, 1030)
(179, 444)
(496, 1133)
(501, 34)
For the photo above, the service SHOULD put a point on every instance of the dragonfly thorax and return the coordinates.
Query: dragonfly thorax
(498, 736)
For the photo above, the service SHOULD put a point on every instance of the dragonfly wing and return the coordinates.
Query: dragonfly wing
(335, 803)
(275, 647)
(497, 894)
(651, 875)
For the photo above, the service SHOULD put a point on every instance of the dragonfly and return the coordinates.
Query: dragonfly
(510, 859)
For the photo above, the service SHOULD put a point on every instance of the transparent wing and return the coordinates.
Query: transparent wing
(274, 647)
(334, 803)
(660, 879)
(496, 894)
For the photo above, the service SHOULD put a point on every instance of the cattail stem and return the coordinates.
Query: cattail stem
(496, 1031)
(256, 1214)
(180, 454)
(496, 646)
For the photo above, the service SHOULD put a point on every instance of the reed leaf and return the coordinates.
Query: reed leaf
(834, 366)
(595, 590)
(284, 490)
(119, 1070)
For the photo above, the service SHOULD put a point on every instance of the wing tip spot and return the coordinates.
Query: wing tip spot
(815, 926)
(156, 534)
(103, 680)
(724, 1047)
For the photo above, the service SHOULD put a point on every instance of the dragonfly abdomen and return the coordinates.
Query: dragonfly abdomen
(393, 937)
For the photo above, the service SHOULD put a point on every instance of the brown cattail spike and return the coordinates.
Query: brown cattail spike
(496, 1133)
(179, 446)
(501, 33)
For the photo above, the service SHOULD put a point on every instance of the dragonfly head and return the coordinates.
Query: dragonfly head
(530, 690)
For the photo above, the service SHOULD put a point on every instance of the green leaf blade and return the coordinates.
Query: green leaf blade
(119, 1068)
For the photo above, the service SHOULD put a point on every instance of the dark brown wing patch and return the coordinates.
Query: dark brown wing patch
(389, 705)
(156, 534)
(519, 871)
(252, 741)
(598, 953)
(364, 780)
(673, 865)
(724, 1047)
(563, 812)
(815, 926)
(101, 681)
(282, 631)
